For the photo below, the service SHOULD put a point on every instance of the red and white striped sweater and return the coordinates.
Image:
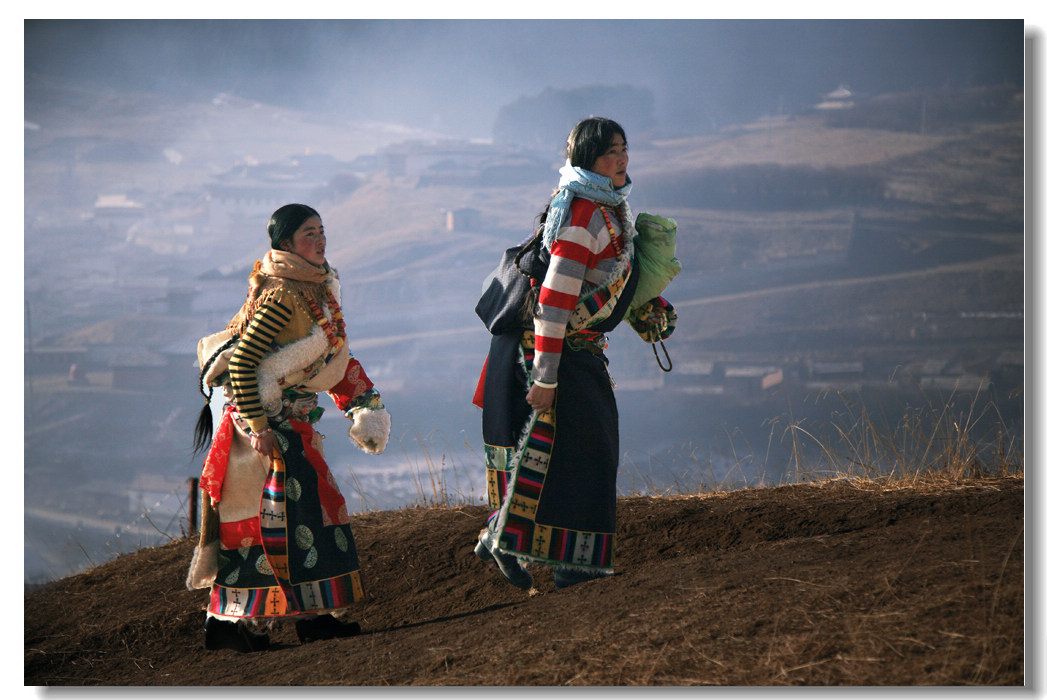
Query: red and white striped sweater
(582, 254)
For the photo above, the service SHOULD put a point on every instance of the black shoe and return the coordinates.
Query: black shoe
(508, 565)
(325, 627)
(222, 634)
(482, 551)
(563, 577)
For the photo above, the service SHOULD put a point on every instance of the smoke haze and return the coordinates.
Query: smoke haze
(451, 76)
(156, 150)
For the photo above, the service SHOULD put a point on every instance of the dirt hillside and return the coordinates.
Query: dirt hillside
(829, 584)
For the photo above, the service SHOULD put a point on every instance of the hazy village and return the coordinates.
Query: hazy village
(154, 261)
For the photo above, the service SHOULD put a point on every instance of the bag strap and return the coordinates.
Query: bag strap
(233, 340)
(659, 359)
(527, 246)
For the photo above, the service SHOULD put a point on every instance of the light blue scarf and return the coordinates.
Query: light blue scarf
(587, 184)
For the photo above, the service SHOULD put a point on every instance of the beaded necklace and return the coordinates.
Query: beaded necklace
(610, 229)
(336, 335)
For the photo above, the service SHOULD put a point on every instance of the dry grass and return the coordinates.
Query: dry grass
(832, 584)
(940, 443)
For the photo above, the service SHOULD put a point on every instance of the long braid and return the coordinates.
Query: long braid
(204, 422)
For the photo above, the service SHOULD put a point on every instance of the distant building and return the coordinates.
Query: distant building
(751, 380)
(464, 219)
(115, 212)
(443, 159)
(699, 377)
(53, 359)
(949, 375)
(251, 189)
(963, 383)
(464, 163)
(514, 169)
(181, 365)
(773, 379)
(140, 370)
(161, 236)
(845, 374)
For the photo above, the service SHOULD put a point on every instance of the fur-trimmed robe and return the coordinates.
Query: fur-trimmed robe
(233, 477)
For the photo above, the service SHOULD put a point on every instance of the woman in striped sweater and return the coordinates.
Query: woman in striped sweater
(276, 542)
(550, 420)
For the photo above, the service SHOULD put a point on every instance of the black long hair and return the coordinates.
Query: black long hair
(286, 220)
(588, 140)
(205, 422)
(282, 225)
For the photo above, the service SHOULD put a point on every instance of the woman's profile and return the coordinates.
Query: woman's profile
(276, 542)
(550, 420)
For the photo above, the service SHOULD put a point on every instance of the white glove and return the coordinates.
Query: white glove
(370, 429)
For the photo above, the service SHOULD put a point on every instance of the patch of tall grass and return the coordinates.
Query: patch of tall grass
(947, 439)
(433, 480)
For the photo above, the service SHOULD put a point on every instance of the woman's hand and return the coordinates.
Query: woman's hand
(540, 398)
(263, 442)
(660, 317)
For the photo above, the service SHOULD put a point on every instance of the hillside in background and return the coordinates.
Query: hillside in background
(838, 583)
(827, 489)
(876, 260)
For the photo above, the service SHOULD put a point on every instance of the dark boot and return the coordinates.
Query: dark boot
(325, 627)
(508, 565)
(222, 634)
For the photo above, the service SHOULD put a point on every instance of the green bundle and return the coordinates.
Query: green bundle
(656, 261)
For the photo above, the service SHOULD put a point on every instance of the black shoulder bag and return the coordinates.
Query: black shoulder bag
(510, 292)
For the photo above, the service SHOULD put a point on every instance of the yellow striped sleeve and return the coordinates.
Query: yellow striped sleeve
(255, 343)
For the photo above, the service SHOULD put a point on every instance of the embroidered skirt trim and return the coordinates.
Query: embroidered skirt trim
(298, 555)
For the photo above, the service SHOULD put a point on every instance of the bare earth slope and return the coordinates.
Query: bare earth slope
(824, 584)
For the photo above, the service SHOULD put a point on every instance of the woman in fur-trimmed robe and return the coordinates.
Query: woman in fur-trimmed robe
(276, 543)
(550, 421)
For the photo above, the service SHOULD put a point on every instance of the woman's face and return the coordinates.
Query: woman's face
(309, 241)
(614, 161)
